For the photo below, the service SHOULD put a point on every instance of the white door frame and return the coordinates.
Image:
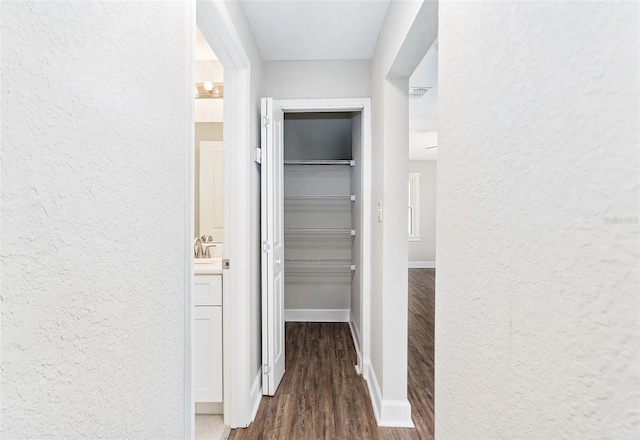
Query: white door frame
(350, 105)
(216, 25)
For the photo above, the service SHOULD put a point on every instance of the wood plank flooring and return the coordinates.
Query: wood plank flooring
(321, 395)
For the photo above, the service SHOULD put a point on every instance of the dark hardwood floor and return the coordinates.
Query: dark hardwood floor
(321, 395)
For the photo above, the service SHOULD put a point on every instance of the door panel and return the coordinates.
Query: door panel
(272, 195)
(208, 354)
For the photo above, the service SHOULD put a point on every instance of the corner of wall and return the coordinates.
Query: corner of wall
(390, 413)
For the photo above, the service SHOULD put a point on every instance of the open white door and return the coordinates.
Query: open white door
(272, 176)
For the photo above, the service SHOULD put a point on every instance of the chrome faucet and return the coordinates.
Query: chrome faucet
(198, 250)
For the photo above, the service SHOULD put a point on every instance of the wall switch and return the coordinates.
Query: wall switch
(380, 211)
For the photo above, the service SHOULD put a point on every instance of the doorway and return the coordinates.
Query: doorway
(213, 20)
(307, 209)
(423, 154)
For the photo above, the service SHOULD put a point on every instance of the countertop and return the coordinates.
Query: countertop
(212, 267)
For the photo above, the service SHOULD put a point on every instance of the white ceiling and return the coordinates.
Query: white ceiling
(423, 112)
(203, 50)
(296, 30)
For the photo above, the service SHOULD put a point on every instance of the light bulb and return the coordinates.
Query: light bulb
(208, 86)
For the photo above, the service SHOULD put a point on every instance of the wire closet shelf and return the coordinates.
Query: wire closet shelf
(319, 266)
(319, 232)
(320, 162)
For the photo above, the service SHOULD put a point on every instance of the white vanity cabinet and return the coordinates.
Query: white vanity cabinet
(208, 338)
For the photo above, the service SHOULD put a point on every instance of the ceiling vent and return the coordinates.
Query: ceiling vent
(417, 92)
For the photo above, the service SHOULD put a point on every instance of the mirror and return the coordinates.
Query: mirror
(209, 156)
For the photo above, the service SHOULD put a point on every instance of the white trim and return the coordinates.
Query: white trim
(217, 27)
(355, 334)
(316, 315)
(412, 238)
(374, 392)
(256, 394)
(422, 264)
(392, 413)
(189, 230)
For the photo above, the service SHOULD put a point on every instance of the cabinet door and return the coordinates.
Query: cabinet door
(207, 290)
(208, 354)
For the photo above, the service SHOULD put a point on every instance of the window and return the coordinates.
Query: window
(414, 206)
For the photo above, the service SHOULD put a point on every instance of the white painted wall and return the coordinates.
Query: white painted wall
(424, 251)
(317, 79)
(93, 279)
(389, 246)
(537, 329)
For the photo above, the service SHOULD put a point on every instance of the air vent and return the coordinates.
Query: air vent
(417, 92)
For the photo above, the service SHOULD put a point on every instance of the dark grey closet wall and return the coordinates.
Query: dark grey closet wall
(317, 136)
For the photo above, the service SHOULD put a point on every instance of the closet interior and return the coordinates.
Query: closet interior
(322, 215)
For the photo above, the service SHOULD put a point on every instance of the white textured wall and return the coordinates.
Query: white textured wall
(93, 279)
(317, 79)
(537, 330)
(425, 249)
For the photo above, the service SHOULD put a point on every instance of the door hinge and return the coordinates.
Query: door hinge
(265, 120)
(266, 246)
(266, 369)
(258, 155)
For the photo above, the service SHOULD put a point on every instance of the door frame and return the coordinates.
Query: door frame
(215, 23)
(362, 105)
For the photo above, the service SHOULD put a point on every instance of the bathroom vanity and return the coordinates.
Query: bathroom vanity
(208, 336)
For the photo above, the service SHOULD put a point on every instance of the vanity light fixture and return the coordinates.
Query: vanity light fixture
(209, 89)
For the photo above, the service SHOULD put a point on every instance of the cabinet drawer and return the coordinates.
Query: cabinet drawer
(207, 290)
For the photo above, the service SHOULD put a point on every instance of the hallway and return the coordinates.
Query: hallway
(321, 395)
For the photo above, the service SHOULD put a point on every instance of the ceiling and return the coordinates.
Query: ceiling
(296, 30)
(299, 30)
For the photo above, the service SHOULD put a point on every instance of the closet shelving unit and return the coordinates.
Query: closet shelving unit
(313, 202)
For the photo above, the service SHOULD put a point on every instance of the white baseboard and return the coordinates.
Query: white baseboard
(256, 394)
(422, 264)
(317, 315)
(392, 413)
(355, 334)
